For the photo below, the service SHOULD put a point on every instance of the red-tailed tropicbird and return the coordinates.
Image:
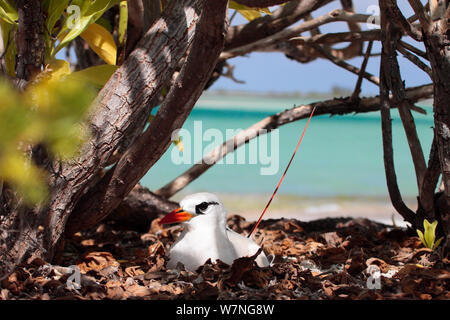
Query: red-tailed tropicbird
(206, 235)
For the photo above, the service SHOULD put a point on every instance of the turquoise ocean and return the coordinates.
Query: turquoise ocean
(338, 169)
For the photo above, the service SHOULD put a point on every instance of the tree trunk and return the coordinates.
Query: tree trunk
(436, 42)
(19, 225)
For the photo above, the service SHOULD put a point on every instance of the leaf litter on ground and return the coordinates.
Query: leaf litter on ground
(323, 259)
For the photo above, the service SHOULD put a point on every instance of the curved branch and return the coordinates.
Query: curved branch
(388, 155)
(333, 16)
(331, 107)
(419, 10)
(399, 18)
(430, 181)
(386, 121)
(333, 38)
(397, 87)
(268, 25)
(362, 71)
(355, 47)
(346, 65)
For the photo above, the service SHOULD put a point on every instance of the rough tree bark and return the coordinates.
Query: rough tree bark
(30, 39)
(15, 219)
(437, 38)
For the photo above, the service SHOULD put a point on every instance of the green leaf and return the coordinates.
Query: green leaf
(105, 23)
(24, 176)
(429, 232)
(8, 12)
(123, 23)
(422, 238)
(62, 106)
(90, 11)
(438, 242)
(55, 70)
(96, 76)
(10, 45)
(102, 42)
(14, 117)
(55, 9)
(52, 110)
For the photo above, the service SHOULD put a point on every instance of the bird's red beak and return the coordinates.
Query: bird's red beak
(175, 216)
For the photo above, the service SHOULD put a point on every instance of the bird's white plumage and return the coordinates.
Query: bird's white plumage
(206, 236)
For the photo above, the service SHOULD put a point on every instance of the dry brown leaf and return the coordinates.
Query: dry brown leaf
(97, 261)
(137, 291)
(134, 271)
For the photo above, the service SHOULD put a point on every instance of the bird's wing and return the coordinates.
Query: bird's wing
(246, 247)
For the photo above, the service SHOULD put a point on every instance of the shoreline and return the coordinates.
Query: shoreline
(250, 207)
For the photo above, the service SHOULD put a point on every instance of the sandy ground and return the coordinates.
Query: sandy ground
(307, 209)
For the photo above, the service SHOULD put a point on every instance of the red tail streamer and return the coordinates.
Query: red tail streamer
(282, 177)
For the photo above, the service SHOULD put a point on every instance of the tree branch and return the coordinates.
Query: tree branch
(390, 80)
(413, 49)
(333, 16)
(397, 87)
(30, 40)
(404, 24)
(430, 180)
(268, 25)
(437, 39)
(346, 65)
(414, 59)
(357, 90)
(333, 38)
(388, 152)
(332, 107)
(419, 10)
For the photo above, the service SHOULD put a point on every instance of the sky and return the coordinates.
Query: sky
(273, 72)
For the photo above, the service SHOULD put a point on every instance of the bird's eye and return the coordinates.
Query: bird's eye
(200, 208)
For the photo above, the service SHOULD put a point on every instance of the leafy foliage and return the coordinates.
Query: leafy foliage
(8, 12)
(102, 42)
(428, 237)
(76, 23)
(49, 112)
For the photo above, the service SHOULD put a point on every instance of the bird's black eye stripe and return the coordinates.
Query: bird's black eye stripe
(201, 208)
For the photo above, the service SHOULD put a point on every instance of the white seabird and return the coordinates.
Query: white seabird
(206, 235)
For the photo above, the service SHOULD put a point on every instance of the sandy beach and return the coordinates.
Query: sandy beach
(307, 209)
